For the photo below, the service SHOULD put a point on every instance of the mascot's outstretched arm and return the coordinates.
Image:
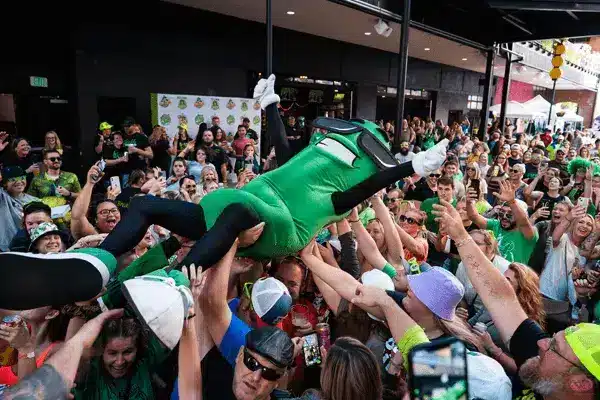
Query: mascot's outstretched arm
(423, 164)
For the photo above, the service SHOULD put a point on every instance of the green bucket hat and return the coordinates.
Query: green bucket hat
(43, 229)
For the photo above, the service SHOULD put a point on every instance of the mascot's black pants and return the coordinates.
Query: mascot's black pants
(185, 219)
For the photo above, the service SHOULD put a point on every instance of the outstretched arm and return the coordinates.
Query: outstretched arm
(495, 291)
(423, 164)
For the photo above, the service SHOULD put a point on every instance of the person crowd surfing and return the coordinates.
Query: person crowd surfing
(315, 273)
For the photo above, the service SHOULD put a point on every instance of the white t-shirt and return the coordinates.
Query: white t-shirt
(405, 158)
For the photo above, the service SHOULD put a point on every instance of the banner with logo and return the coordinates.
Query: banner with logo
(172, 110)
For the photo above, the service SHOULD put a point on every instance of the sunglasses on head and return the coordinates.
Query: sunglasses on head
(266, 373)
(54, 159)
(408, 220)
(18, 179)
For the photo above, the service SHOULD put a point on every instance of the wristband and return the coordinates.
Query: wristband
(413, 336)
(462, 242)
(27, 355)
(389, 270)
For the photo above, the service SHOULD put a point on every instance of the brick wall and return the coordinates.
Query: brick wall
(519, 91)
(585, 99)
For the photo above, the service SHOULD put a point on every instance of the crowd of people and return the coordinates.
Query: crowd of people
(499, 248)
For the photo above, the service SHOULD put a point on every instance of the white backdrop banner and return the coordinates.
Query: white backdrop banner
(172, 110)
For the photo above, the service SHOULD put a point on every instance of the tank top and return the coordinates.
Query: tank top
(8, 377)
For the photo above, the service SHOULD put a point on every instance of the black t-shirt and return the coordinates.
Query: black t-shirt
(216, 156)
(523, 346)
(112, 153)
(514, 161)
(421, 192)
(549, 202)
(125, 197)
(161, 158)
(217, 376)
(141, 142)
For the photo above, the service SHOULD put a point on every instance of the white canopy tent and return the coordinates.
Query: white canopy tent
(538, 104)
(571, 116)
(515, 109)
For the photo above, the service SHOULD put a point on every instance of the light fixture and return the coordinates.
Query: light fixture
(464, 59)
(383, 97)
(291, 12)
(382, 28)
(426, 49)
(368, 33)
(335, 90)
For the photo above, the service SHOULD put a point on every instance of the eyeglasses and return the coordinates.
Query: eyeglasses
(54, 159)
(105, 213)
(435, 175)
(409, 220)
(505, 215)
(266, 373)
(17, 179)
(552, 348)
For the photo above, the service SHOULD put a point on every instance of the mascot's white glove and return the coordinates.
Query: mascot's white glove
(426, 162)
(264, 92)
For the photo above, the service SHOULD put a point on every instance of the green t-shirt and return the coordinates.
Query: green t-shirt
(427, 206)
(512, 244)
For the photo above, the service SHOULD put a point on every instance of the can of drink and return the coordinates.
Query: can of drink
(12, 320)
(323, 331)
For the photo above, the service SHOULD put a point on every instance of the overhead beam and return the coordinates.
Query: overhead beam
(577, 6)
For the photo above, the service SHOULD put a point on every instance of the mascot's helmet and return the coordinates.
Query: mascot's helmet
(368, 136)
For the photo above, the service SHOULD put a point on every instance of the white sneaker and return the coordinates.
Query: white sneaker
(264, 92)
(426, 162)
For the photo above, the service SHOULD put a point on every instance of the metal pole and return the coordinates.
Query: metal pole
(505, 89)
(269, 66)
(402, 68)
(552, 103)
(489, 82)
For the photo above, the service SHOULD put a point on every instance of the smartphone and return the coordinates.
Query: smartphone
(249, 167)
(311, 350)
(476, 185)
(438, 370)
(101, 165)
(163, 174)
(583, 202)
(115, 183)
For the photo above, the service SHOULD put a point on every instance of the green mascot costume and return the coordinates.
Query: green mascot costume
(318, 186)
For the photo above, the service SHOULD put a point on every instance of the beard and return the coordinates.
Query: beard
(510, 227)
(404, 151)
(529, 374)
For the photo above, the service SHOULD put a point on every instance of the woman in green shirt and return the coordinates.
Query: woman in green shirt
(124, 366)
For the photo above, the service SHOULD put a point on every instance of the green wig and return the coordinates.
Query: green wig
(582, 163)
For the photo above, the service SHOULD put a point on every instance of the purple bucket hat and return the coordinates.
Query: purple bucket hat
(439, 290)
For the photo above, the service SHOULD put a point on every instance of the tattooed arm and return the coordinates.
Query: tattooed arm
(494, 289)
(55, 378)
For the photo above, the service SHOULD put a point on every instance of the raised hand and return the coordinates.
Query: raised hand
(369, 296)
(88, 333)
(449, 220)
(507, 192)
(94, 175)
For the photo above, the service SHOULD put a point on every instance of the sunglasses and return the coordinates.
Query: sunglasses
(17, 179)
(54, 159)
(505, 215)
(393, 199)
(515, 171)
(435, 175)
(266, 373)
(210, 179)
(409, 220)
(470, 169)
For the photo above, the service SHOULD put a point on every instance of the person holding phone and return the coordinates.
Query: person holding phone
(248, 160)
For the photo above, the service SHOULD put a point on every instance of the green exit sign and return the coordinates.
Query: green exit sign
(38, 81)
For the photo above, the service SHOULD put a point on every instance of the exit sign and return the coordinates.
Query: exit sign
(38, 81)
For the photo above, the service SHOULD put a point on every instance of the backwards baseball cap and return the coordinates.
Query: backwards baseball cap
(273, 344)
(439, 290)
(12, 171)
(271, 300)
(104, 126)
(584, 340)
